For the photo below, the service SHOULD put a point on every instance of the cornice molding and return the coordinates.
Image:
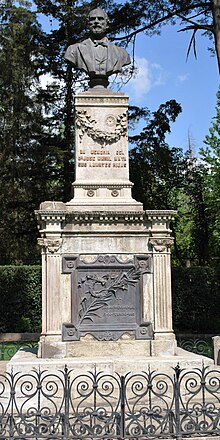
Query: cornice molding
(56, 217)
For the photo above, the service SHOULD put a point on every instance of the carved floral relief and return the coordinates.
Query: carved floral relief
(86, 124)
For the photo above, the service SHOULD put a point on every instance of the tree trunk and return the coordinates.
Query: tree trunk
(68, 120)
(216, 25)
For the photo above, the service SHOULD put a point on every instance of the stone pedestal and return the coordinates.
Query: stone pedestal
(105, 261)
(102, 168)
(77, 248)
(216, 343)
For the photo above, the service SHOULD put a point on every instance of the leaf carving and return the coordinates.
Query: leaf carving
(101, 289)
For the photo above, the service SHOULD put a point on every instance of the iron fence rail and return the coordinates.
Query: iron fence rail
(95, 405)
(198, 344)
(9, 349)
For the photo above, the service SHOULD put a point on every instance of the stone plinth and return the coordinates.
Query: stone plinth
(25, 360)
(129, 255)
(101, 156)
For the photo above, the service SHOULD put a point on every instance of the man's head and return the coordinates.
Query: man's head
(98, 23)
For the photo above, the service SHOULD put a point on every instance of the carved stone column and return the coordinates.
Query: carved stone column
(51, 222)
(51, 307)
(163, 324)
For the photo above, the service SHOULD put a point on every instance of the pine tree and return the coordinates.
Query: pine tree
(28, 157)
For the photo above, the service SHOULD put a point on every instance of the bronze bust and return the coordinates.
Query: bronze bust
(96, 55)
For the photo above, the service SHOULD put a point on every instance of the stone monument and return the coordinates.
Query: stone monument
(106, 271)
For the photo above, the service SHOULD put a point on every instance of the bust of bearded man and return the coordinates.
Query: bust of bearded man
(96, 55)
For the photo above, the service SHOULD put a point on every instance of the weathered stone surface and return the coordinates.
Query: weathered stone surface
(83, 309)
(216, 342)
(101, 156)
(121, 235)
(112, 363)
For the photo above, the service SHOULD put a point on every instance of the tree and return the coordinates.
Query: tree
(210, 155)
(71, 27)
(29, 155)
(197, 228)
(166, 178)
(156, 169)
(148, 16)
(195, 190)
(37, 129)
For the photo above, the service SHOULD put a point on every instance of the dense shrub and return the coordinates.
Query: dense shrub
(20, 299)
(196, 299)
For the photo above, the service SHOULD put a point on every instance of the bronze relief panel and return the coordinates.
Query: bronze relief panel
(107, 297)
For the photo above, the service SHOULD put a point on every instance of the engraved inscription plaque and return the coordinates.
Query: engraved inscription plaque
(107, 297)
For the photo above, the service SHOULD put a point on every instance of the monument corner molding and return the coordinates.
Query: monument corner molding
(160, 245)
(52, 245)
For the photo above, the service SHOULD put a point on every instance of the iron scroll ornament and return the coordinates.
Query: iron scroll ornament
(107, 298)
(178, 403)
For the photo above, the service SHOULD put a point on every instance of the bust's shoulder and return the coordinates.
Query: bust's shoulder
(120, 51)
(79, 44)
(74, 49)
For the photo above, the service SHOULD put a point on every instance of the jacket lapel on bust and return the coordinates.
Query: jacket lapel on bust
(113, 62)
(87, 54)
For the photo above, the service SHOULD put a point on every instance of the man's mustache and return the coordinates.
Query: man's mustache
(96, 24)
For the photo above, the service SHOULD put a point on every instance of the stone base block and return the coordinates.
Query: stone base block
(216, 343)
(163, 348)
(105, 349)
(25, 360)
(49, 347)
(103, 205)
(52, 347)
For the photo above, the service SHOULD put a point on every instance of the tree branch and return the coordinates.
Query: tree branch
(163, 19)
(195, 25)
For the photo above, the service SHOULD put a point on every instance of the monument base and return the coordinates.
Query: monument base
(97, 196)
(26, 360)
(105, 276)
(52, 347)
(106, 270)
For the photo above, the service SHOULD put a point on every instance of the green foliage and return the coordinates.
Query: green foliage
(37, 129)
(32, 146)
(191, 227)
(211, 158)
(20, 293)
(156, 169)
(196, 299)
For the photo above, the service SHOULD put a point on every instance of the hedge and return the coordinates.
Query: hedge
(20, 294)
(196, 299)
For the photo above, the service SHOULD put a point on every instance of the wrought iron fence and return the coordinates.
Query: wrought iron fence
(198, 344)
(96, 405)
(9, 349)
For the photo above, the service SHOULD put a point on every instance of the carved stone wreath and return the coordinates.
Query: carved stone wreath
(88, 125)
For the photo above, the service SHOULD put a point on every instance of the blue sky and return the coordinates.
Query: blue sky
(165, 74)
